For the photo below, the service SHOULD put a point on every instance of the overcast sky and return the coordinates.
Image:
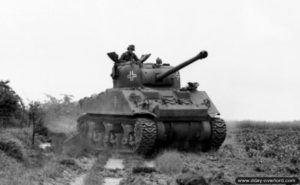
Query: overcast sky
(252, 72)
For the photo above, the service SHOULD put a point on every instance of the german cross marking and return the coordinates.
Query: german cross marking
(131, 75)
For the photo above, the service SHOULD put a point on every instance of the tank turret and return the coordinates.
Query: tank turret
(137, 74)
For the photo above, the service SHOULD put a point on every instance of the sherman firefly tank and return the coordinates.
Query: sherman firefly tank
(147, 109)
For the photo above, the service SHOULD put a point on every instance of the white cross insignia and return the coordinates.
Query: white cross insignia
(131, 76)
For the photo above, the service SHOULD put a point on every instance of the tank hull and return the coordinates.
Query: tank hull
(145, 119)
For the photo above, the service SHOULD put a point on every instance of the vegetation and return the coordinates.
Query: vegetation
(57, 114)
(280, 142)
(24, 162)
(8, 98)
(12, 109)
(250, 124)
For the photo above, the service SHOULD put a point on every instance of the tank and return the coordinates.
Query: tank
(147, 110)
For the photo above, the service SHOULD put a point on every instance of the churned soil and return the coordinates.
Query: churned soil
(256, 151)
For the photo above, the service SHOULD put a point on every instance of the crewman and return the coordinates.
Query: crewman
(158, 63)
(192, 86)
(129, 55)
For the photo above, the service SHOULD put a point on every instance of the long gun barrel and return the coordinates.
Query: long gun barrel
(201, 55)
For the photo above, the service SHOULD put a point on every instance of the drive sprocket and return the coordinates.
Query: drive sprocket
(218, 135)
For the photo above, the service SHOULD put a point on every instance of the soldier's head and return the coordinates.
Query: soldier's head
(131, 48)
(158, 61)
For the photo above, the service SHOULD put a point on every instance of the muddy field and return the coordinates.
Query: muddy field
(249, 150)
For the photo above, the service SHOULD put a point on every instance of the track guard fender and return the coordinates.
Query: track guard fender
(145, 115)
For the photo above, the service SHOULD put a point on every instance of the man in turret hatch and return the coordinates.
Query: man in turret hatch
(129, 55)
(125, 57)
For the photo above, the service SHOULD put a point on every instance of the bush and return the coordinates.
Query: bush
(36, 116)
(12, 109)
(8, 99)
(12, 149)
(169, 162)
(15, 142)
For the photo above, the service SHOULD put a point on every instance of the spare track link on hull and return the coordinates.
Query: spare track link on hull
(218, 134)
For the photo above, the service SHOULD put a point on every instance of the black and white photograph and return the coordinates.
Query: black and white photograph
(137, 92)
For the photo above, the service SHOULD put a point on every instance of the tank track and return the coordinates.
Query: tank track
(144, 135)
(140, 135)
(146, 129)
(218, 135)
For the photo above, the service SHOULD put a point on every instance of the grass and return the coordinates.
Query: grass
(22, 163)
(169, 162)
(15, 142)
(16, 173)
(249, 124)
(278, 142)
